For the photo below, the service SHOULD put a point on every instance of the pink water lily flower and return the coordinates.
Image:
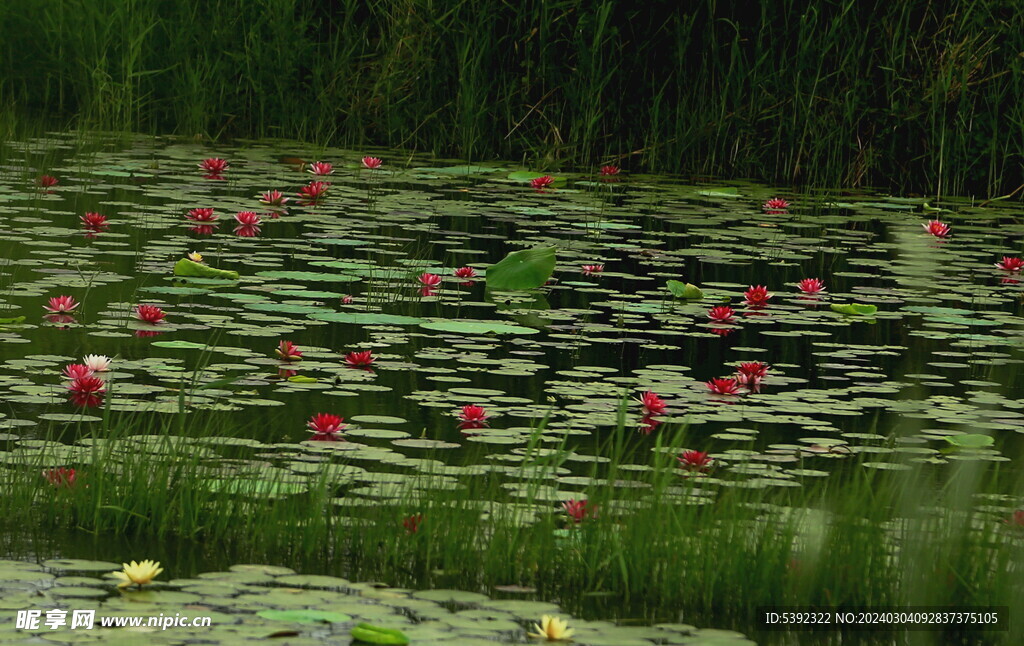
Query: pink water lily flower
(149, 313)
(87, 385)
(936, 228)
(756, 296)
(273, 198)
(60, 477)
(94, 220)
(372, 162)
(775, 205)
(360, 359)
(201, 215)
(288, 351)
(430, 280)
(465, 272)
(727, 386)
(1009, 263)
(76, 370)
(248, 218)
(326, 426)
(651, 403)
(47, 181)
(579, 510)
(213, 165)
(61, 304)
(694, 461)
(321, 168)
(721, 313)
(811, 286)
(542, 182)
(346, 299)
(473, 413)
(314, 191)
(751, 373)
(590, 270)
(609, 170)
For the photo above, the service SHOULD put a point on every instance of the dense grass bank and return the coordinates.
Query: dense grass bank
(913, 95)
(671, 543)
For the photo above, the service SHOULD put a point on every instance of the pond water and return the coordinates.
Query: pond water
(937, 361)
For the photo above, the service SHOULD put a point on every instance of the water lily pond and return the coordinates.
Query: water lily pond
(904, 355)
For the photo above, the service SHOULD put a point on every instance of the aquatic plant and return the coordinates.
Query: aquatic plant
(61, 304)
(811, 286)
(590, 270)
(721, 313)
(139, 574)
(288, 351)
(542, 182)
(97, 362)
(201, 215)
(609, 170)
(724, 386)
(326, 426)
(1010, 263)
(314, 191)
(651, 403)
(756, 296)
(695, 460)
(75, 370)
(552, 629)
(371, 163)
(429, 280)
(149, 313)
(473, 413)
(273, 198)
(213, 165)
(321, 168)
(248, 218)
(360, 359)
(775, 205)
(937, 228)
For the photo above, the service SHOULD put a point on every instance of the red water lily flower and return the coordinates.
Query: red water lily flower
(248, 218)
(542, 182)
(936, 228)
(47, 181)
(273, 198)
(149, 313)
(314, 191)
(721, 313)
(811, 286)
(726, 386)
(1009, 263)
(326, 427)
(430, 280)
(651, 403)
(473, 413)
(412, 523)
(371, 162)
(360, 359)
(94, 221)
(288, 351)
(60, 477)
(247, 230)
(775, 205)
(756, 296)
(695, 461)
(321, 168)
(213, 165)
(465, 272)
(201, 215)
(77, 370)
(61, 304)
(87, 385)
(579, 510)
(346, 299)
(751, 373)
(609, 170)
(1016, 518)
(590, 270)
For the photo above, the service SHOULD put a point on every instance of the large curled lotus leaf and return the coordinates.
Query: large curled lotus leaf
(520, 270)
(371, 634)
(186, 267)
(689, 291)
(854, 309)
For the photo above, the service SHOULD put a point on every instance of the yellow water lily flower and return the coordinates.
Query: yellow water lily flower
(552, 629)
(195, 256)
(139, 573)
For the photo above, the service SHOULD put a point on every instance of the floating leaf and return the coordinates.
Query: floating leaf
(854, 309)
(477, 327)
(188, 268)
(371, 634)
(307, 616)
(689, 291)
(970, 440)
(525, 269)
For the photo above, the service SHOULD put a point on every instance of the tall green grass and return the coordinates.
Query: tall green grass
(666, 544)
(910, 95)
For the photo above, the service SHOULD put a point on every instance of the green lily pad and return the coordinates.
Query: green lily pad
(477, 327)
(307, 616)
(525, 269)
(186, 267)
(689, 291)
(970, 440)
(371, 634)
(854, 309)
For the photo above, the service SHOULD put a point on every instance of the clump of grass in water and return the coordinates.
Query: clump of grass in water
(672, 542)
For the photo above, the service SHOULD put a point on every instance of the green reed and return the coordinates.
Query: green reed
(665, 543)
(908, 95)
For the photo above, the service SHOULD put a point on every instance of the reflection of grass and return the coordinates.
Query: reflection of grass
(917, 536)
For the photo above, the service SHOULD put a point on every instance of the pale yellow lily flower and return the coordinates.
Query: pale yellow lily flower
(138, 573)
(552, 629)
